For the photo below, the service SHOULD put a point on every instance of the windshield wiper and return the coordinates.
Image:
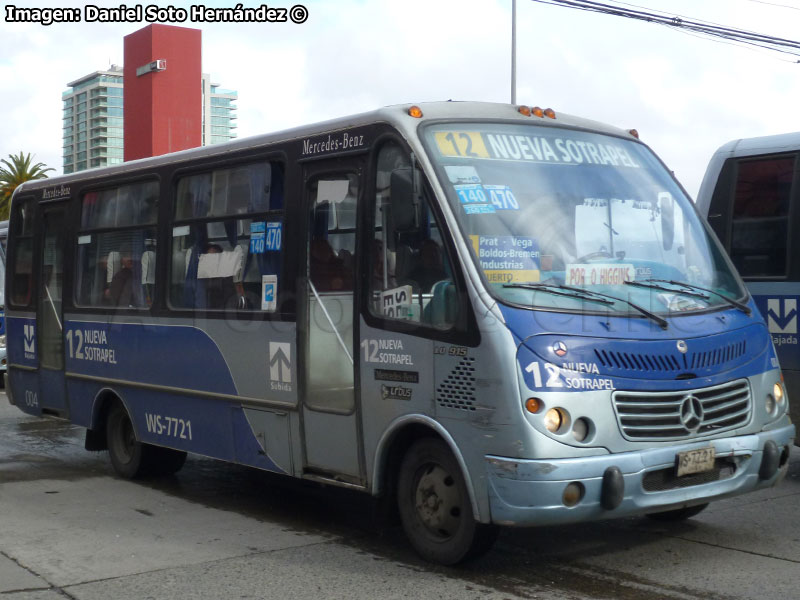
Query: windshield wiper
(590, 295)
(689, 290)
(554, 289)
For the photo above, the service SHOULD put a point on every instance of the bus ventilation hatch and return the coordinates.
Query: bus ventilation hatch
(639, 362)
(458, 388)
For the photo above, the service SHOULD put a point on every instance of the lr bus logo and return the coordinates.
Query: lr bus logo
(30, 341)
(782, 315)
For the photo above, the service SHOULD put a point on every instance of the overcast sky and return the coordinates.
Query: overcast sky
(685, 94)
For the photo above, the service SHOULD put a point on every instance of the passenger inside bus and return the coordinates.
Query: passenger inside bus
(328, 271)
(428, 267)
(219, 276)
(383, 257)
(120, 289)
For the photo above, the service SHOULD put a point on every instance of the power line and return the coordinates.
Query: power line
(774, 4)
(697, 27)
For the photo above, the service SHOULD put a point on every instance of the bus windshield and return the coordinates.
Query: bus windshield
(560, 218)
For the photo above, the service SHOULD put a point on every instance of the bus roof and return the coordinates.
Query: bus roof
(396, 115)
(755, 146)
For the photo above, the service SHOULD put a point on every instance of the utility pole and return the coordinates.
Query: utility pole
(513, 51)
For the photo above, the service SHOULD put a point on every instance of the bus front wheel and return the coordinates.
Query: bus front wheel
(435, 508)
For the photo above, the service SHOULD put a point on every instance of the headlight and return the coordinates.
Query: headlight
(777, 389)
(580, 429)
(554, 419)
(769, 404)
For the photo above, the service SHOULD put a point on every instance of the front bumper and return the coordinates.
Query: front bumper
(531, 492)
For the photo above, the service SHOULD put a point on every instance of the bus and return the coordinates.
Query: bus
(481, 314)
(750, 194)
(3, 355)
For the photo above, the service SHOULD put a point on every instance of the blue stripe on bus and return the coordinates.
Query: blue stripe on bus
(175, 356)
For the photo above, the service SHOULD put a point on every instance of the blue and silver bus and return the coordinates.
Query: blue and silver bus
(3, 356)
(482, 314)
(750, 194)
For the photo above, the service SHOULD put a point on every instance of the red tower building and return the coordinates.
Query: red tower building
(163, 93)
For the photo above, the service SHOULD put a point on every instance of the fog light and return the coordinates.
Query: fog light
(777, 391)
(769, 404)
(580, 429)
(554, 419)
(573, 493)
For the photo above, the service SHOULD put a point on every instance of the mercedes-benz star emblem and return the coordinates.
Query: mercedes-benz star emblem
(691, 414)
(682, 347)
(560, 348)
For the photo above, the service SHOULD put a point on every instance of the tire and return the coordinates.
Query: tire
(128, 455)
(435, 508)
(679, 514)
(131, 458)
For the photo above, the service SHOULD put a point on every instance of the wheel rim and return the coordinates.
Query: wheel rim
(438, 501)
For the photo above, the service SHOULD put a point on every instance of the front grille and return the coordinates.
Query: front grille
(666, 479)
(684, 414)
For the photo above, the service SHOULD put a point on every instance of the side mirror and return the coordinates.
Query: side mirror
(404, 203)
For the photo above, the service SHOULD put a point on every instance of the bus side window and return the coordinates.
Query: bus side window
(227, 239)
(117, 247)
(760, 220)
(21, 267)
(412, 277)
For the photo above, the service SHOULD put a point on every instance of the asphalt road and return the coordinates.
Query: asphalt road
(69, 528)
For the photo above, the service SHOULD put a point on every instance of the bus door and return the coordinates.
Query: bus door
(330, 408)
(49, 315)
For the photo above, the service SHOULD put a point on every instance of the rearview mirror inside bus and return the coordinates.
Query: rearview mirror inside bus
(404, 201)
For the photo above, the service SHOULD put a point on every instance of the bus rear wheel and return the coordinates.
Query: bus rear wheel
(435, 508)
(132, 458)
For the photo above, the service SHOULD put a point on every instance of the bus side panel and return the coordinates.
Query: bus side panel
(21, 341)
(26, 390)
(207, 426)
(779, 304)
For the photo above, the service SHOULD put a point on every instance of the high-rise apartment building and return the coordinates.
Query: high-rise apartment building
(219, 113)
(93, 118)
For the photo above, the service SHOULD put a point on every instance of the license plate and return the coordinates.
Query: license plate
(695, 461)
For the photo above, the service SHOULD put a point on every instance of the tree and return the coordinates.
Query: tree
(16, 171)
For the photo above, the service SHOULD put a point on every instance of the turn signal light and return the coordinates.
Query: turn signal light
(415, 111)
(533, 405)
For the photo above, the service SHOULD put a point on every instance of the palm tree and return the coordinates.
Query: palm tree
(15, 172)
